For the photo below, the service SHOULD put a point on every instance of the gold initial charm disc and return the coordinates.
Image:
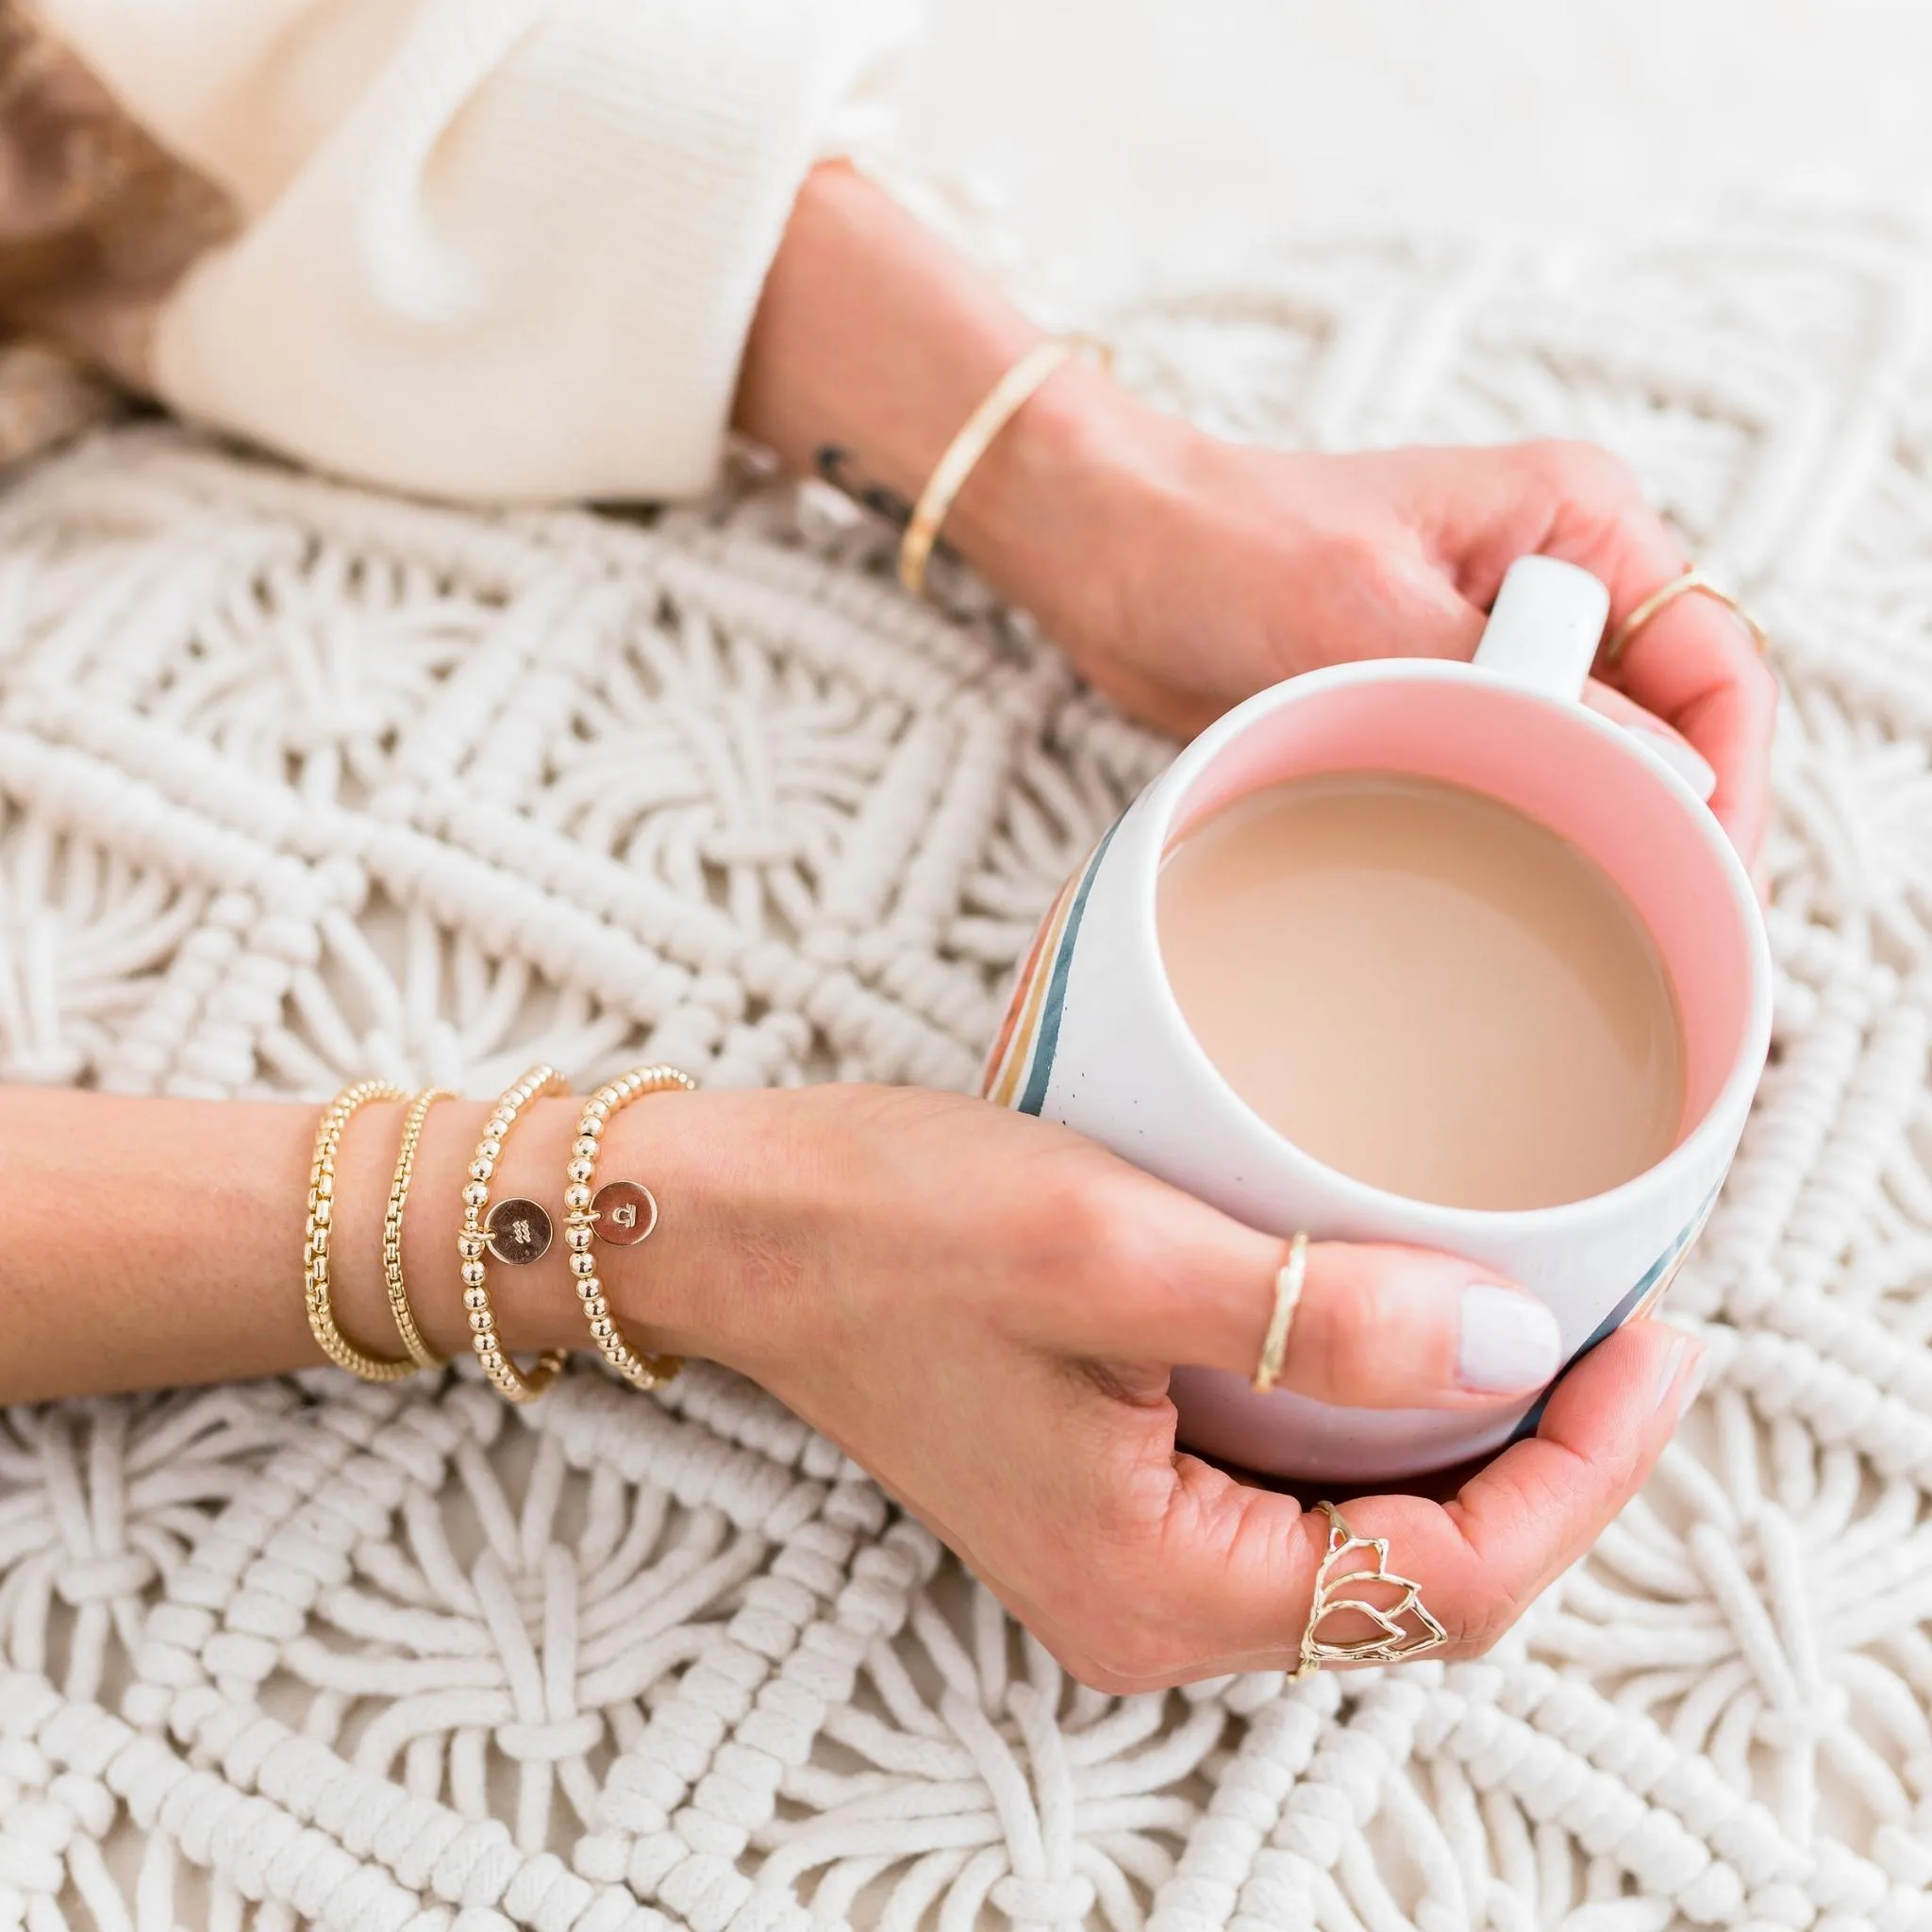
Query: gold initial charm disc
(517, 1232)
(625, 1212)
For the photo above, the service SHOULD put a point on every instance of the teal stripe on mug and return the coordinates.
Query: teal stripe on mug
(1621, 1313)
(1040, 1071)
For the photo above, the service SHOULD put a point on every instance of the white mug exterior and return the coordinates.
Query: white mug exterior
(1119, 1064)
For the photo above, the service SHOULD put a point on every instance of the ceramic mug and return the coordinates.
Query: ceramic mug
(1094, 1038)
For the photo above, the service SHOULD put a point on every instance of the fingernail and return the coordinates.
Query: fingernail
(1688, 765)
(1668, 1369)
(1510, 1341)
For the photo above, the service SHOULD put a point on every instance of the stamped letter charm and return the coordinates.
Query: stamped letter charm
(517, 1232)
(625, 1212)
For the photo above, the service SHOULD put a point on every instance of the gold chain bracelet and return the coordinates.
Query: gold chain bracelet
(505, 1230)
(418, 1350)
(627, 1211)
(319, 1227)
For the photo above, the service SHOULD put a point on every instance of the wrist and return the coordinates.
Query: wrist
(672, 1293)
(685, 1291)
(534, 1307)
(872, 346)
(1055, 513)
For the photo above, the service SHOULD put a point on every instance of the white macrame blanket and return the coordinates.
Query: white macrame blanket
(297, 783)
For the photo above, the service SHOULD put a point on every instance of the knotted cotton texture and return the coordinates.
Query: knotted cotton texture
(298, 784)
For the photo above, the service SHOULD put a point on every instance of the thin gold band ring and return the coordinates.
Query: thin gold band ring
(1288, 1278)
(1665, 595)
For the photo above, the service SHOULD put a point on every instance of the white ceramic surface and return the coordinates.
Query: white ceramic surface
(1094, 1039)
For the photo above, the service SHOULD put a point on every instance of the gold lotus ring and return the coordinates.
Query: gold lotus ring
(1665, 595)
(1343, 1593)
(1288, 1278)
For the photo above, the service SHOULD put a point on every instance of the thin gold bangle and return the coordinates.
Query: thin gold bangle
(319, 1230)
(510, 1381)
(1002, 404)
(582, 1213)
(418, 1350)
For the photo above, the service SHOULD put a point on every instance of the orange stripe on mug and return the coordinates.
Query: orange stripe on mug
(1009, 1056)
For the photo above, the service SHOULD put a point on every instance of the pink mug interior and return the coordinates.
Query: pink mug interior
(1562, 767)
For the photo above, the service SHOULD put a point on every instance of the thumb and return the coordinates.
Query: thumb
(1375, 1326)
(1394, 1327)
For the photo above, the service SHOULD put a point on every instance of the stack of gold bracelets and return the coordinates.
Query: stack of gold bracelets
(515, 1232)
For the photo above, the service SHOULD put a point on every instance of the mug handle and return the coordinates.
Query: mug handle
(1544, 628)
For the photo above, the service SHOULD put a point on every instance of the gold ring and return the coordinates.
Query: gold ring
(1288, 1294)
(1396, 1643)
(1663, 597)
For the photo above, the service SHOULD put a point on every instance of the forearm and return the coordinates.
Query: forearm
(146, 1243)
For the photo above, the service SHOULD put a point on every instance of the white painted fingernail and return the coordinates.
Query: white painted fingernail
(1687, 763)
(1509, 1341)
(1667, 1370)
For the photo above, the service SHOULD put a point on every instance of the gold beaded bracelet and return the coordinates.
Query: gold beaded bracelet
(621, 1214)
(513, 1231)
(418, 1350)
(316, 1235)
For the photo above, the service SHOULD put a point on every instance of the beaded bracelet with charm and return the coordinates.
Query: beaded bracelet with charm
(621, 1214)
(320, 1229)
(515, 1231)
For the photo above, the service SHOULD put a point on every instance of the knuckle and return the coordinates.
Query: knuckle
(1358, 1324)
(1357, 550)
(1373, 560)
(1110, 1241)
(1582, 471)
(1075, 1210)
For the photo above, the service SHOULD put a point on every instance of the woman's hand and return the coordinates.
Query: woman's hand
(1181, 572)
(1198, 572)
(979, 1307)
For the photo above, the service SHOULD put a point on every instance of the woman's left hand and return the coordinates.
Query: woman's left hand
(1182, 574)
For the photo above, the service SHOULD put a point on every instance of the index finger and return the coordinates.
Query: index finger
(1696, 665)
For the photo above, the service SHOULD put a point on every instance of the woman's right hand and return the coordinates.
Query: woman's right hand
(981, 1308)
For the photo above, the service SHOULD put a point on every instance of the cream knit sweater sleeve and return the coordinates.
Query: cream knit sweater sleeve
(500, 249)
